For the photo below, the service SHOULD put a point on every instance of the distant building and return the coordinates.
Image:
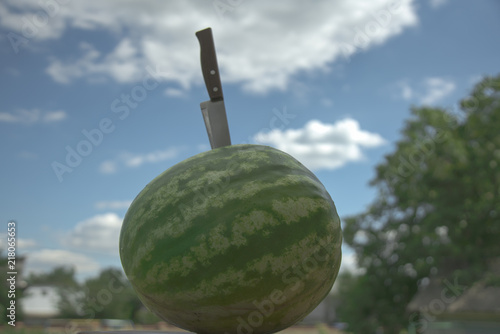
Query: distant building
(40, 306)
(40, 302)
(324, 313)
(446, 306)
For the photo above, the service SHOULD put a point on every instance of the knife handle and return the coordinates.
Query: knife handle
(209, 66)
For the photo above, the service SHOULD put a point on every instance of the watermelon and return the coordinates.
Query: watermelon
(239, 239)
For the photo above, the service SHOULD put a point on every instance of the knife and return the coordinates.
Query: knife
(214, 111)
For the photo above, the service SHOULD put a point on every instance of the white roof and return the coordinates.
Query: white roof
(41, 301)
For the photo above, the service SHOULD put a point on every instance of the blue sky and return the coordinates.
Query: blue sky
(329, 82)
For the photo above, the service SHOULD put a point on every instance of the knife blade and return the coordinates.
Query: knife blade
(214, 110)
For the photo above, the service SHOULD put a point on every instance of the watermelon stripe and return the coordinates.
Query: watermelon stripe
(289, 259)
(211, 235)
(278, 264)
(247, 225)
(177, 223)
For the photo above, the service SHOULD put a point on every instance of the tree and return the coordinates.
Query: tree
(107, 296)
(110, 296)
(359, 304)
(63, 279)
(4, 291)
(437, 211)
(6, 294)
(59, 276)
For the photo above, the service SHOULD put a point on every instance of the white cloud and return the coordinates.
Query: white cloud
(108, 167)
(26, 155)
(174, 92)
(429, 91)
(326, 102)
(407, 92)
(436, 89)
(44, 260)
(323, 146)
(54, 116)
(349, 263)
(98, 233)
(112, 205)
(261, 45)
(135, 160)
(31, 116)
(437, 3)
(122, 64)
(28, 20)
(22, 244)
(475, 79)
(203, 147)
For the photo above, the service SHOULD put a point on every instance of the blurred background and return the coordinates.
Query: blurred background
(393, 104)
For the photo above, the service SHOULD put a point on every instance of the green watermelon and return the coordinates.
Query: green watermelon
(239, 239)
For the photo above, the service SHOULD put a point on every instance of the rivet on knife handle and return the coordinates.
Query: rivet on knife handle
(209, 66)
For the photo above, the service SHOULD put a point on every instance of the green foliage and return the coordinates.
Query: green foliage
(107, 296)
(59, 276)
(361, 301)
(145, 317)
(492, 279)
(14, 330)
(4, 300)
(437, 211)
(63, 278)
(4, 290)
